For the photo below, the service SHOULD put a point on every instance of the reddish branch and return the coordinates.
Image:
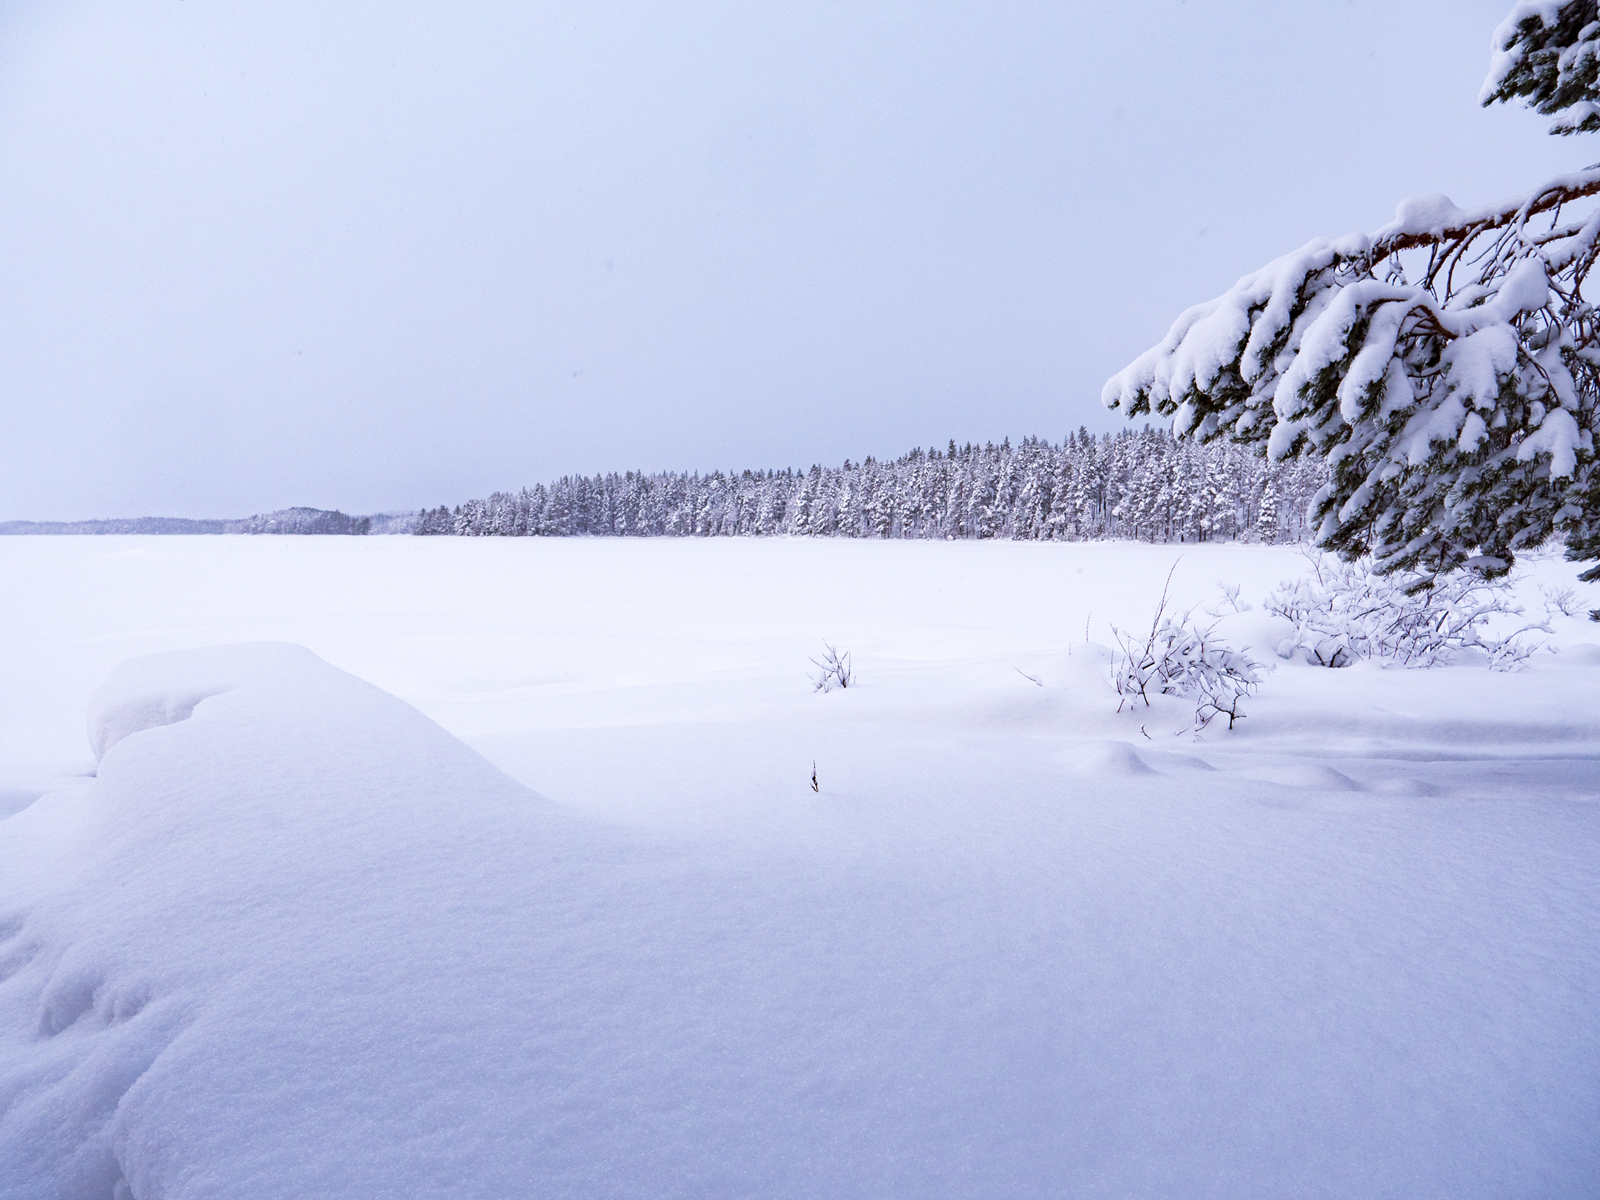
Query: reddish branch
(1551, 197)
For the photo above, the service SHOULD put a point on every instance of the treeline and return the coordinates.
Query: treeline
(303, 521)
(1136, 484)
(285, 521)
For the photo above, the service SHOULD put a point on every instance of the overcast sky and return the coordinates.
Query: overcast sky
(383, 255)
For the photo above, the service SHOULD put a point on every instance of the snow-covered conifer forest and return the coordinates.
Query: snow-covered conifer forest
(1146, 486)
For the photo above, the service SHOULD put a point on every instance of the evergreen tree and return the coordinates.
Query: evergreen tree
(1267, 514)
(1446, 368)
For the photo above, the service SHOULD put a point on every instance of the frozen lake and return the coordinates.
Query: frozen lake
(1016, 943)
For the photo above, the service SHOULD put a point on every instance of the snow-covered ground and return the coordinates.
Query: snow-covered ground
(295, 939)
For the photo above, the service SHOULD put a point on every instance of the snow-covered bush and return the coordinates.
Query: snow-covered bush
(834, 670)
(1230, 597)
(1180, 657)
(1345, 611)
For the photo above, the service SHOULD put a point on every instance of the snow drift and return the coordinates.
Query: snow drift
(247, 958)
(294, 939)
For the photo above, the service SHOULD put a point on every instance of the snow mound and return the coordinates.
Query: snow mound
(1307, 775)
(245, 939)
(1085, 666)
(1579, 654)
(1109, 758)
(14, 800)
(163, 689)
(1400, 786)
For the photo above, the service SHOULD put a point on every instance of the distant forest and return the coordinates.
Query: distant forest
(287, 520)
(1141, 484)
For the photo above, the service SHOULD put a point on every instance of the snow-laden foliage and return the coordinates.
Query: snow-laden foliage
(1182, 657)
(1548, 54)
(1145, 485)
(1347, 611)
(1445, 366)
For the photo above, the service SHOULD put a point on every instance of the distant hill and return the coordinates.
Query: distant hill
(286, 520)
(302, 521)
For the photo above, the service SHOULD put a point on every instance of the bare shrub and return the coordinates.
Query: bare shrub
(1563, 600)
(834, 670)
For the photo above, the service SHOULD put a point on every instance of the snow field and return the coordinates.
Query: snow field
(293, 938)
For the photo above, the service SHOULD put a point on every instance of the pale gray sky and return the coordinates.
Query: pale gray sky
(382, 255)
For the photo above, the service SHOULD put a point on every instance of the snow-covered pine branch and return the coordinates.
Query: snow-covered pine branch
(1445, 366)
(1548, 55)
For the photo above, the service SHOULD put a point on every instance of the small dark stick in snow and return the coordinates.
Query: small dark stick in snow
(814, 786)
